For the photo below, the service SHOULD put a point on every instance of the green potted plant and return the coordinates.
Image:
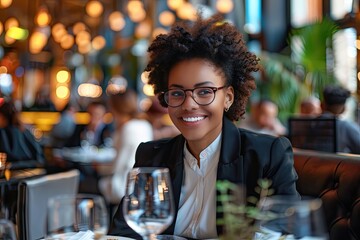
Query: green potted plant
(288, 78)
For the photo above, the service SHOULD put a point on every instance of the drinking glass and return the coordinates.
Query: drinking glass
(148, 203)
(7, 230)
(284, 217)
(77, 216)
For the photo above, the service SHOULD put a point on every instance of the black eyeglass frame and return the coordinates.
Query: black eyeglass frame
(214, 89)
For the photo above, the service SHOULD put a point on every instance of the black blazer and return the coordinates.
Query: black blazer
(245, 157)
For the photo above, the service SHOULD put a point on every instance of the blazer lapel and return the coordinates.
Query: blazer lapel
(230, 165)
(176, 167)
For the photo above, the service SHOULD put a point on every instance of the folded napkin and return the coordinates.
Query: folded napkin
(82, 235)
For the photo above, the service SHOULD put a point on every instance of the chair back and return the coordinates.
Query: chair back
(33, 195)
(313, 133)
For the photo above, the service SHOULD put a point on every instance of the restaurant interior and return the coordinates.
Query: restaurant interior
(56, 53)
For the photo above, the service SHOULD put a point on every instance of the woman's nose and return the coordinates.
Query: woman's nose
(189, 102)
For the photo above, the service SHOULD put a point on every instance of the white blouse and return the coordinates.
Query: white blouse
(197, 206)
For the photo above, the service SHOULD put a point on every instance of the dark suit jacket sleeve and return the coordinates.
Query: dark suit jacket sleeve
(119, 226)
(281, 168)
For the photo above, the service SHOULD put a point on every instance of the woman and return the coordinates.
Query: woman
(130, 130)
(202, 73)
(21, 147)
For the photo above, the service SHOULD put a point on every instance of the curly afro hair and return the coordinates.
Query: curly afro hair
(211, 39)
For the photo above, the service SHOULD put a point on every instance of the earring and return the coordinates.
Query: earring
(226, 109)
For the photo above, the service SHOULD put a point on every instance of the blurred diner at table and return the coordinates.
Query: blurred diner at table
(20, 145)
(263, 118)
(347, 131)
(96, 132)
(131, 128)
(88, 143)
(65, 127)
(160, 121)
(310, 106)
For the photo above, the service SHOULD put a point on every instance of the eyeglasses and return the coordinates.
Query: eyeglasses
(203, 96)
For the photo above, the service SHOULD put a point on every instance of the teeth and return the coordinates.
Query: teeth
(193, 119)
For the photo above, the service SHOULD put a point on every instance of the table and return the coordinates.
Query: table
(86, 155)
(16, 175)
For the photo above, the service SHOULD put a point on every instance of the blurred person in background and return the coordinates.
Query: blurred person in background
(348, 132)
(96, 132)
(86, 138)
(310, 106)
(160, 121)
(21, 148)
(263, 118)
(20, 145)
(130, 130)
(65, 128)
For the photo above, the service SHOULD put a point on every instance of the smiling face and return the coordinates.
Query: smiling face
(200, 125)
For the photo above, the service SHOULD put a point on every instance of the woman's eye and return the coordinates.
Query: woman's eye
(204, 91)
(177, 93)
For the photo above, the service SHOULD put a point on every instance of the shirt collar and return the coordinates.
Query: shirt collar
(211, 151)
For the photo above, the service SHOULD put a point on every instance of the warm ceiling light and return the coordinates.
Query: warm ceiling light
(148, 90)
(94, 8)
(78, 27)
(43, 18)
(157, 31)
(3, 70)
(145, 77)
(83, 38)
(62, 92)
(98, 42)
(11, 22)
(138, 16)
(56, 30)
(116, 21)
(89, 90)
(187, 12)
(136, 10)
(85, 48)
(58, 34)
(1, 28)
(357, 44)
(5, 3)
(62, 76)
(175, 4)
(166, 18)
(37, 42)
(9, 40)
(143, 29)
(224, 6)
(17, 33)
(67, 41)
(134, 6)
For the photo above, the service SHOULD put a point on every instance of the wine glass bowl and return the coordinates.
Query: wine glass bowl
(148, 205)
(288, 217)
(82, 214)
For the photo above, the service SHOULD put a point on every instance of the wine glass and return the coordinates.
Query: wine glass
(148, 204)
(82, 215)
(7, 230)
(286, 217)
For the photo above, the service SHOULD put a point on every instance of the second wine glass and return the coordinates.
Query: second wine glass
(148, 204)
(76, 216)
(286, 217)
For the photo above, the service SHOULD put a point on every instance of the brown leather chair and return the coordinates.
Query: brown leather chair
(335, 178)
